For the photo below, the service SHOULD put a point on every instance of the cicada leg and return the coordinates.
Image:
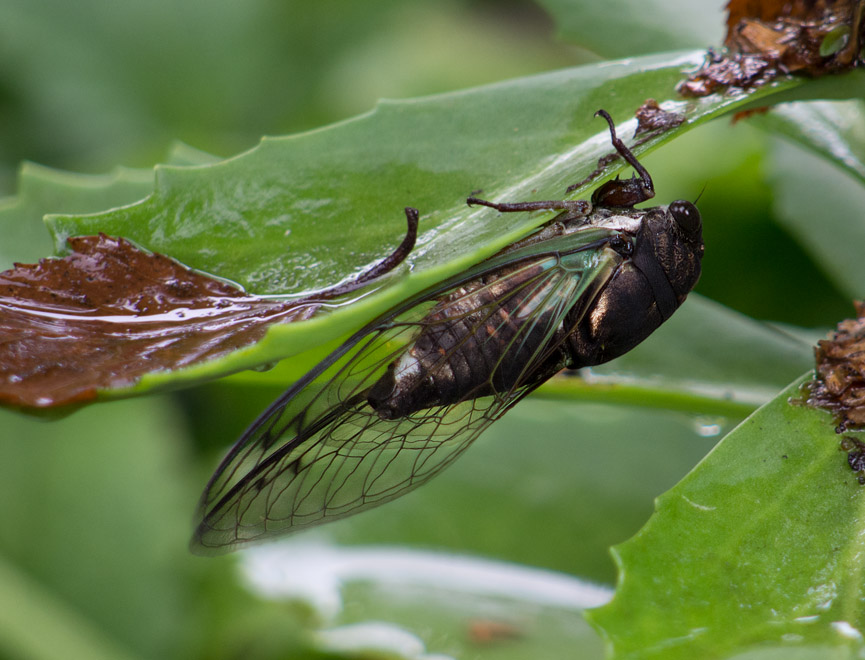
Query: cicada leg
(628, 192)
(616, 193)
(384, 266)
(577, 207)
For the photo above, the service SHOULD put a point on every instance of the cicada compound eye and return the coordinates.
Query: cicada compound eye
(686, 216)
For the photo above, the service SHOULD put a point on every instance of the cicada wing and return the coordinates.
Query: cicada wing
(291, 440)
(321, 452)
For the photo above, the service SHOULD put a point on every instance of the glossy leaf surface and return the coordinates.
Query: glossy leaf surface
(275, 218)
(762, 541)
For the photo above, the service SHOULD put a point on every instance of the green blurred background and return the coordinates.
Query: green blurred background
(95, 509)
(96, 84)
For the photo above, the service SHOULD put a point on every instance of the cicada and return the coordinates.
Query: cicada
(402, 398)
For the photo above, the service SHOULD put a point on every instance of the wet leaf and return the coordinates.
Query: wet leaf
(109, 313)
(758, 548)
(43, 190)
(277, 219)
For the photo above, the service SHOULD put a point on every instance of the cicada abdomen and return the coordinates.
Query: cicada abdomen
(482, 339)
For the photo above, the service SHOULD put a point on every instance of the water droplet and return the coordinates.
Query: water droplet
(846, 630)
(709, 427)
(267, 366)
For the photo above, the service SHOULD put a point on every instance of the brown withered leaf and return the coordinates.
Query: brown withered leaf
(768, 38)
(653, 119)
(764, 10)
(722, 72)
(109, 313)
(839, 385)
(855, 456)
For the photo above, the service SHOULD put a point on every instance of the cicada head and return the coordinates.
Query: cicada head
(673, 235)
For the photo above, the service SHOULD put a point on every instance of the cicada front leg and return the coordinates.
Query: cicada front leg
(383, 267)
(617, 193)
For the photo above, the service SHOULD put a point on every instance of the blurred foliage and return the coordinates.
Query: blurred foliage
(621, 28)
(94, 508)
(96, 84)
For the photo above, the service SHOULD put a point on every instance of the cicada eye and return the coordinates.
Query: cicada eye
(686, 216)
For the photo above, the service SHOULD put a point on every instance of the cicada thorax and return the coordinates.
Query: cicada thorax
(648, 286)
(484, 338)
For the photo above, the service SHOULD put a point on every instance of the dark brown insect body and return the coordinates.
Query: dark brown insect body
(403, 397)
(480, 354)
(657, 264)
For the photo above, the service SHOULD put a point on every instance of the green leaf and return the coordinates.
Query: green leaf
(759, 548)
(43, 190)
(833, 129)
(276, 219)
(821, 205)
(260, 217)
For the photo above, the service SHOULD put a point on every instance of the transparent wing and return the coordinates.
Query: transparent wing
(321, 452)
